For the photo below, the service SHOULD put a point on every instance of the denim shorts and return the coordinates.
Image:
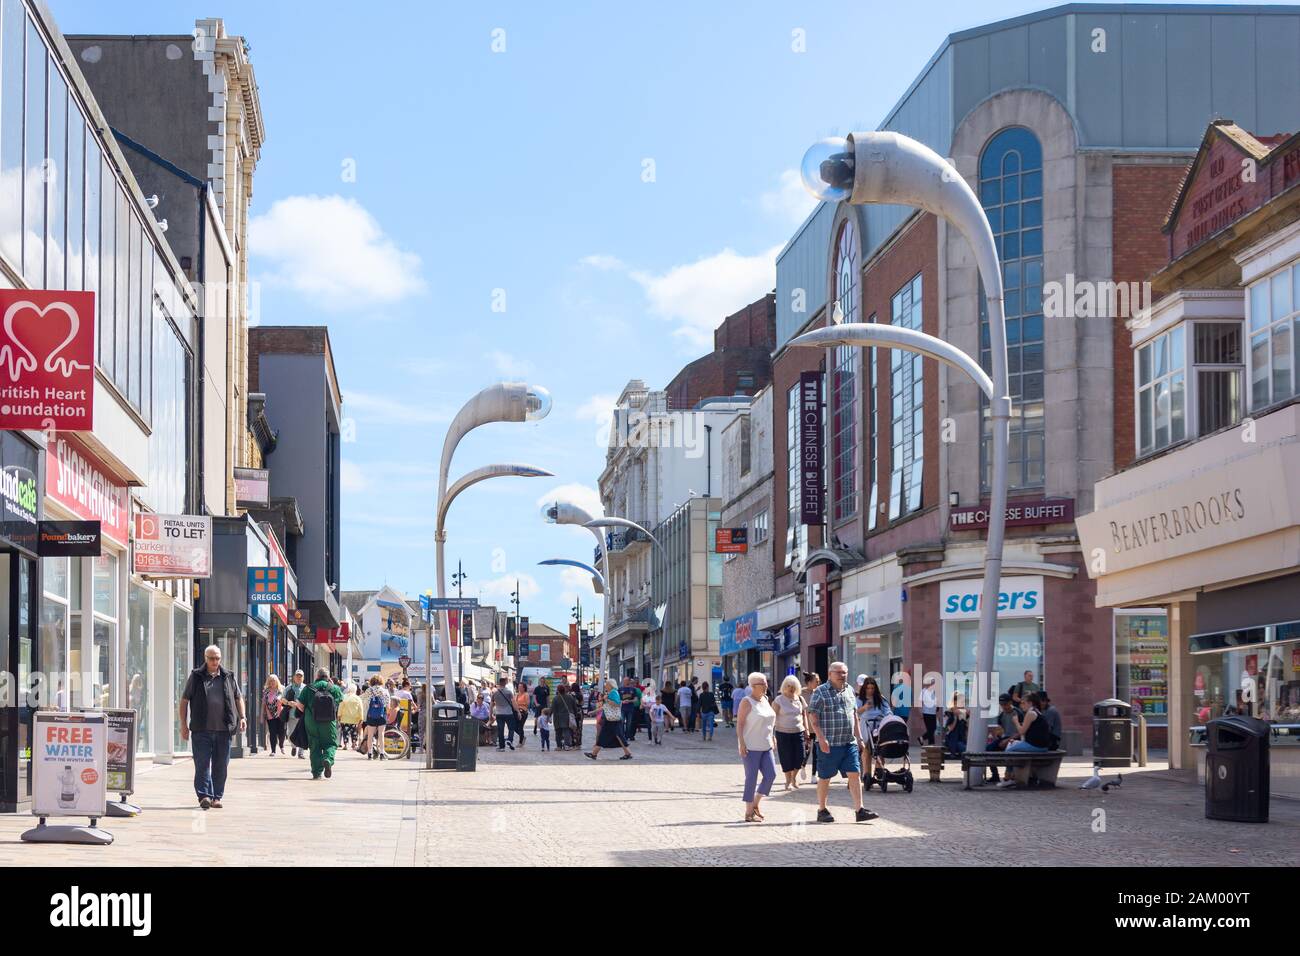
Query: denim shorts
(842, 757)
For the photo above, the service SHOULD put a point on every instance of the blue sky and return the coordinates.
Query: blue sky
(525, 171)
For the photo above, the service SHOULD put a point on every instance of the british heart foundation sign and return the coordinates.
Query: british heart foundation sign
(47, 360)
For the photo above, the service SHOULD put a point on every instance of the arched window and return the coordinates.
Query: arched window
(1011, 190)
(844, 381)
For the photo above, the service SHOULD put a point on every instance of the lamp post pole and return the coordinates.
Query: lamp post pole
(885, 167)
(504, 402)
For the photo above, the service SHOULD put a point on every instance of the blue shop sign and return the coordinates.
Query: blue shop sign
(738, 633)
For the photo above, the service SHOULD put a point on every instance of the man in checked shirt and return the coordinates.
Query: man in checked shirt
(832, 713)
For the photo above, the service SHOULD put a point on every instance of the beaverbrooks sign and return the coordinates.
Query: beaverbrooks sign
(1174, 522)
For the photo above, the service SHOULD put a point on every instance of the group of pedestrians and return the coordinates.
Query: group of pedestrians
(557, 715)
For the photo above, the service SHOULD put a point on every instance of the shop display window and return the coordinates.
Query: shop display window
(1262, 681)
(1019, 648)
(1142, 663)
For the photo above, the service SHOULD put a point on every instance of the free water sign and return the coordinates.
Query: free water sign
(69, 758)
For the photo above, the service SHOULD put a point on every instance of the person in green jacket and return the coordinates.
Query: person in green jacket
(322, 735)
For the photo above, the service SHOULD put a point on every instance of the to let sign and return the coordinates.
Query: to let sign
(173, 546)
(812, 502)
(1038, 511)
(47, 360)
(731, 540)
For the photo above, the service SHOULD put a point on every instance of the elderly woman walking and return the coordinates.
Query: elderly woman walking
(562, 716)
(791, 729)
(755, 721)
(611, 724)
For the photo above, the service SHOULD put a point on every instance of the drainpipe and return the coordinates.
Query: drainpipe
(708, 461)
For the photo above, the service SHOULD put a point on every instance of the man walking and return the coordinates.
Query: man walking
(832, 714)
(630, 700)
(212, 711)
(292, 693)
(319, 707)
(541, 700)
(684, 696)
(503, 709)
(724, 696)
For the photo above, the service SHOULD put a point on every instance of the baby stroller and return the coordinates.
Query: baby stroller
(889, 742)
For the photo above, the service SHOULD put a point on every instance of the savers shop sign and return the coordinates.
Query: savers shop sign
(173, 546)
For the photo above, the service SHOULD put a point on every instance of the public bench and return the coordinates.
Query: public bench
(1021, 764)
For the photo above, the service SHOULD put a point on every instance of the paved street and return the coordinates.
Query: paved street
(674, 805)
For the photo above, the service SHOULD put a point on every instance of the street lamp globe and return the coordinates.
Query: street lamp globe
(537, 403)
(827, 169)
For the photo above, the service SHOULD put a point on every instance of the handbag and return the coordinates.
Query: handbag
(298, 735)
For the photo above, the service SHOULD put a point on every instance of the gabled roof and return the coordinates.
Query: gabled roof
(1246, 143)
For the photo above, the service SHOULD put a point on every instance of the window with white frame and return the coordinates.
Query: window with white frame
(1274, 314)
(760, 528)
(1162, 391)
(908, 408)
(1216, 375)
(844, 435)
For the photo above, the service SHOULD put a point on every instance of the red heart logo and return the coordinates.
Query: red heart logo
(31, 334)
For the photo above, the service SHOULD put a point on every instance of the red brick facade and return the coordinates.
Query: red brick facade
(1142, 195)
(741, 360)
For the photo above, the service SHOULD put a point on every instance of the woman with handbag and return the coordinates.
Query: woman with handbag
(611, 724)
(273, 713)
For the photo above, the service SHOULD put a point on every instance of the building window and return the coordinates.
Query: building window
(872, 366)
(760, 528)
(1011, 190)
(746, 454)
(844, 428)
(906, 381)
(1274, 337)
(1217, 375)
(744, 380)
(1161, 391)
(795, 532)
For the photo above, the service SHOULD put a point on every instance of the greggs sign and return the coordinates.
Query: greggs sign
(47, 360)
(79, 482)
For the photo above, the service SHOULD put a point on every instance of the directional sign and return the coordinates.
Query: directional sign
(453, 604)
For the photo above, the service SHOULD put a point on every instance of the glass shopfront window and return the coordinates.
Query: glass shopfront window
(1019, 648)
(1142, 663)
(182, 664)
(104, 637)
(1261, 681)
(139, 604)
(55, 688)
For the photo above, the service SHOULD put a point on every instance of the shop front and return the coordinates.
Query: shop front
(1211, 535)
(1018, 648)
(870, 634)
(20, 514)
(778, 618)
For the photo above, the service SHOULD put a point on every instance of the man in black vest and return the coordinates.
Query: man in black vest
(212, 712)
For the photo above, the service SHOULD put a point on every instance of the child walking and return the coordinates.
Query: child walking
(659, 715)
(544, 725)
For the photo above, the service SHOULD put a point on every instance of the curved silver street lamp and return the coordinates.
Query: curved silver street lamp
(566, 512)
(597, 584)
(884, 167)
(503, 402)
(662, 610)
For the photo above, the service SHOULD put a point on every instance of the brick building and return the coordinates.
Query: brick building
(1077, 151)
(741, 360)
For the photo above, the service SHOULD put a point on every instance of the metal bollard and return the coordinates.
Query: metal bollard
(1141, 741)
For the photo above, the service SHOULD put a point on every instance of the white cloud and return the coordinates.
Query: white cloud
(604, 262)
(369, 407)
(598, 409)
(699, 295)
(789, 202)
(576, 583)
(508, 365)
(498, 590)
(352, 477)
(332, 251)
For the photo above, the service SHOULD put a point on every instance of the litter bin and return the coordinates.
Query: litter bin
(1236, 769)
(467, 747)
(446, 726)
(1112, 733)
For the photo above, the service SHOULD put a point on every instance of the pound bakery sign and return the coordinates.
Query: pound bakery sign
(47, 360)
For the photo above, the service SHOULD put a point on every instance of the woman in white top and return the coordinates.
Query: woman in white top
(791, 729)
(754, 726)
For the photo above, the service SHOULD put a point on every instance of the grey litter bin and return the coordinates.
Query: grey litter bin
(467, 749)
(1112, 733)
(446, 734)
(1236, 769)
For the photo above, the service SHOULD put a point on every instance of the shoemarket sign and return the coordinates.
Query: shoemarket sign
(69, 764)
(47, 360)
(79, 483)
(173, 546)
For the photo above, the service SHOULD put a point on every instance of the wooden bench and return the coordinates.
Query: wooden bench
(1022, 763)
